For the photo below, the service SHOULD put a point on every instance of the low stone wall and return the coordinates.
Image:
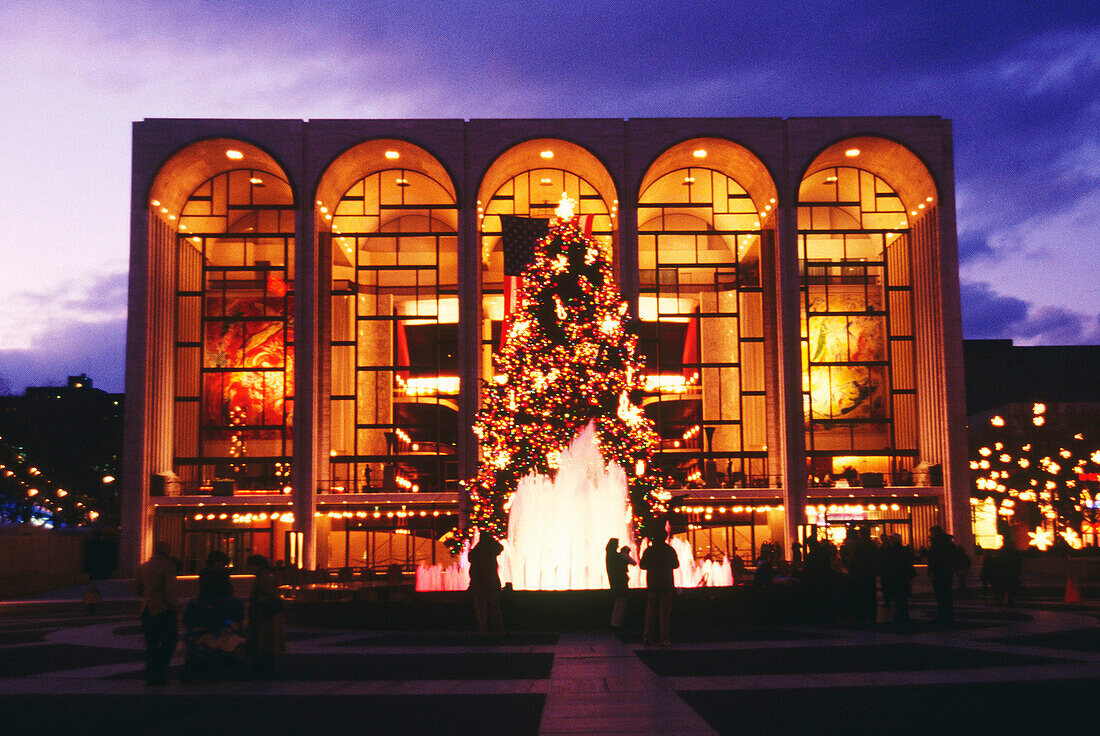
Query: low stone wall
(33, 560)
(1083, 569)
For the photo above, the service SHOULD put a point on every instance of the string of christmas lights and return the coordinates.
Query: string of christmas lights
(28, 495)
(1039, 477)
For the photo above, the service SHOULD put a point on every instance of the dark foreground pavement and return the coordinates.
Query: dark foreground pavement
(997, 671)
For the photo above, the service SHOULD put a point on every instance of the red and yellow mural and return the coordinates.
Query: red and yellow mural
(250, 344)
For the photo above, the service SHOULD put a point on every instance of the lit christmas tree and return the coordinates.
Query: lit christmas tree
(566, 359)
(1037, 475)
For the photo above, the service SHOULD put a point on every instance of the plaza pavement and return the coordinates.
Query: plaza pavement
(1033, 668)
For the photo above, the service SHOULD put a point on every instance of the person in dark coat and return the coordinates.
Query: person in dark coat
(156, 584)
(618, 576)
(214, 577)
(943, 562)
(266, 622)
(1008, 567)
(485, 584)
(659, 560)
(863, 567)
(897, 574)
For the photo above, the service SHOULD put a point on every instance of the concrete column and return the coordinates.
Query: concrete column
(136, 532)
(793, 454)
(306, 436)
(469, 321)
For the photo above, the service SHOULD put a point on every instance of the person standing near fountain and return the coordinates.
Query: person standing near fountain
(485, 584)
(659, 560)
(618, 576)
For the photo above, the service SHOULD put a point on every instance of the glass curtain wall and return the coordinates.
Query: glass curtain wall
(533, 193)
(234, 334)
(858, 387)
(700, 304)
(394, 337)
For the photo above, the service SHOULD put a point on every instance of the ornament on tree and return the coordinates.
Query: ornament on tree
(567, 359)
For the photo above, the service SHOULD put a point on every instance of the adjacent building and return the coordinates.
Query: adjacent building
(314, 306)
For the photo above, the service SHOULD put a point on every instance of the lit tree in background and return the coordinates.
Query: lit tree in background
(27, 495)
(567, 359)
(1038, 476)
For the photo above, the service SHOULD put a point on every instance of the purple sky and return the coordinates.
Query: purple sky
(1021, 81)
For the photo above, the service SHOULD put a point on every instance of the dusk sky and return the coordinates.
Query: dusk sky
(1019, 80)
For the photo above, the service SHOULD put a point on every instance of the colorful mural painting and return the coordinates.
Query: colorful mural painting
(249, 346)
(846, 391)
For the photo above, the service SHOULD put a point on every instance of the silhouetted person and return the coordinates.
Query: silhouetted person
(156, 584)
(618, 577)
(214, 578)
(897, 574)
(944, 560)
(1008, 567)
(485, 584)
(659, 560)
(266, 627)
(863, 568)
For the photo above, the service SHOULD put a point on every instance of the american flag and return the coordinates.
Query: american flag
(518, 238)
(519, 235)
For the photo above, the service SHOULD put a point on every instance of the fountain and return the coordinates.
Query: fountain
(557, 530)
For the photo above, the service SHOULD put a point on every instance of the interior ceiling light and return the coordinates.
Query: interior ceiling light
(256, 180)
(156, 202)
(689, 179)
(234, 154)
(544, 181)
(852, 152)
(547, 154)
(392, 155)
(830, 179)
(699, 153)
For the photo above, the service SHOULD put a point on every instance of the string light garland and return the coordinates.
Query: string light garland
(1038, 476)
(568, 358)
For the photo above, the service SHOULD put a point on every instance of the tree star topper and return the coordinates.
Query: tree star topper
(567, 208)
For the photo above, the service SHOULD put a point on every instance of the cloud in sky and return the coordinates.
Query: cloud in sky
(1021, 81)
(79, 328)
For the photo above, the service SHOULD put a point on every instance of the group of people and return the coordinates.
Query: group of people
(156, 583)
(658, 560)
(862, 565)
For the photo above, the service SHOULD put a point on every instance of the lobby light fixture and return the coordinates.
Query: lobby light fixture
(234, 154)
(699, 153)
(830, 179)
(256, 180)
(547, 154)
(392, 155)
(852, 152)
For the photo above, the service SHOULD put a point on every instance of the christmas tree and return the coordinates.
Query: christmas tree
(567, 359)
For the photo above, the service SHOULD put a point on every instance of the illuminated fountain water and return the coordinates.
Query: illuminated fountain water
(557, 530)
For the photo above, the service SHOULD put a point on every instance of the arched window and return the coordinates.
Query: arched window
(394, 340)
(528, 180)
(701, 310)
(857, 326)
(234, 332)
